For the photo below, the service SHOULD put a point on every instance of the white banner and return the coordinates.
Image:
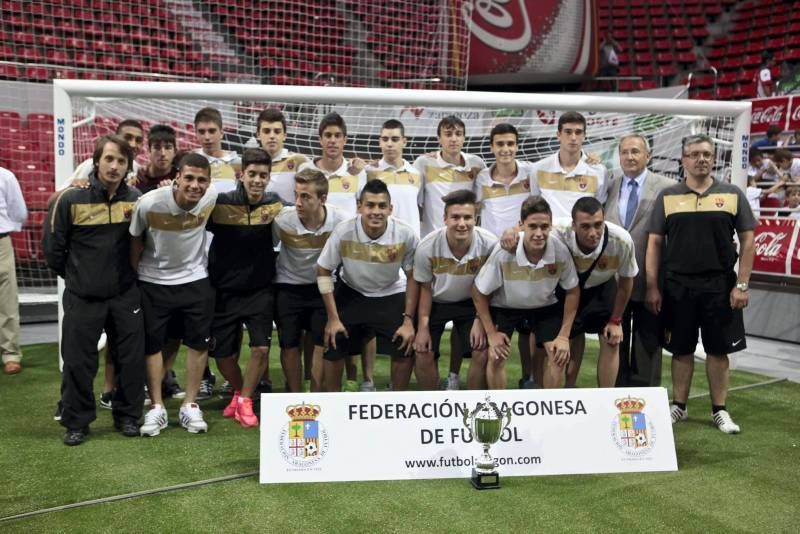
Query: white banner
(319, 437)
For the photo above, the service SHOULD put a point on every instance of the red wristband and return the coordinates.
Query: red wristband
(616, 321)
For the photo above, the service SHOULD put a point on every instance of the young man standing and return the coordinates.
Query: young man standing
(241, 266)
(132, 132)
(271, 135)
(161, 171)
(521, 287)
(564, 177)
(444, 171)
(169, 251)
(402, 179)
(606, 265)
(225, 165)
(86, 242)
(342, 179)
(372, 296)
(445, 264)
(302, 231)
(698, 219)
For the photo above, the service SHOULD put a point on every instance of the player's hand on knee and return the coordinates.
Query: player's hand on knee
(612, 333)
(332, 329)
(477, 336)
(558, 350)
(405, 335)
(422, 341)
(499, 346)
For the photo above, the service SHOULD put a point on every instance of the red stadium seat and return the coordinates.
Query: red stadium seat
(9, 72)
(9, 119)
(21, 241)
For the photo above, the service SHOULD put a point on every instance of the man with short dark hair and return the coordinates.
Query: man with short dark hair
(520, 286)
(241, 266)
(271, 135)
(445, 264)
(86, 242)
(132, 132)
(169, 251)
(697, 219)
(371, 248)
(772, 137)
(225, 164)
(160, 171)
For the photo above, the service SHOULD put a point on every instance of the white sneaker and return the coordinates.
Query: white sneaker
(366, 385)
(155, 420)
(678, 414)
(191, 418)
(724, 422)
(452, 382)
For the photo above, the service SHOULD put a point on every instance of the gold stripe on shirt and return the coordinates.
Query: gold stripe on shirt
(556, 181)
(343, 184)
(304, 241)
(395, 178)
(240, 215)
(522, 187)
(442, 265)
(175, 223)
(372, 252)
(223, 171)
(691, 203)
(290, 164)
(605, 263)
(515, 272)
(448, 175)
(101, 213)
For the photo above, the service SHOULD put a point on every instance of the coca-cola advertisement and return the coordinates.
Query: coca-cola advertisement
(767, 112)
(794, 114)
(774, 239)
(517, 37)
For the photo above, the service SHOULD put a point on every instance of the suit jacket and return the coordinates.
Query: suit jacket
(653, 184)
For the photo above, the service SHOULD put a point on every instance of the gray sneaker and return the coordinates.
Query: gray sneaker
(206, 390)
(366, 385)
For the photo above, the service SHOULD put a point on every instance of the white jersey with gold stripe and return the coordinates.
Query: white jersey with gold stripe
(618, 257)
(174, 239)
(223, 169)
(281, 176)
(371, 266)
(404, 183)
(301, 247)
(451, 278)
(562, 189)
(500, 203)
(514, 282)
(342, 185)
(440, 178)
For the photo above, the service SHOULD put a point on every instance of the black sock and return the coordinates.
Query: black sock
(681, 405)
(715, 408)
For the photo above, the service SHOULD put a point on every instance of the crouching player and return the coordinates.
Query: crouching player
(445, 265)
(302, 231)
(372, 297)
(241, 266)
(602, 251)
(521, 286)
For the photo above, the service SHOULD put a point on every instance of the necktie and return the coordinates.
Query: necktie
(633, 202)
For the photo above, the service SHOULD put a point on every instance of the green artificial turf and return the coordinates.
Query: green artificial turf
(744, 483)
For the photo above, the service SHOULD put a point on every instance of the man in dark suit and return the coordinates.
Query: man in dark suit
(629, 204)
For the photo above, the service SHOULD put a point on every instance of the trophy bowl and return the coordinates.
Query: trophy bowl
(486, 424)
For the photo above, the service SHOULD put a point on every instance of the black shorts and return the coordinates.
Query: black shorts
(298, 308)
(543, 322)
(253, 308)
(362, 316)
(595, 309)
(175, 326)
(195, 303)
(462, 314)
(692, 303)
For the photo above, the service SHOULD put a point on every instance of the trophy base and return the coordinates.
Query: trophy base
(484, 481)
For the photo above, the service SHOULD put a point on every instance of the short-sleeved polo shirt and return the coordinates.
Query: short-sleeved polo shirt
(562, 189)
(500, 203)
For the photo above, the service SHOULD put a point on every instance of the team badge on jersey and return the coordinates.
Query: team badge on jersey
(719, 202)
(392, 254)
(552, 269)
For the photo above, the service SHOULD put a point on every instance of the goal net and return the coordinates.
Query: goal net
(86, 110)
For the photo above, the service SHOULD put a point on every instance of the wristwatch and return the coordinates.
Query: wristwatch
(742, 286)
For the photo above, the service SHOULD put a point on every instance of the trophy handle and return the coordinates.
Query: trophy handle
(508, 417)
(466, 417)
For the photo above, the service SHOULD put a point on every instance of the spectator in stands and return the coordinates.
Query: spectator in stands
(12, 216)
(609, 56)
(766, 86)
(761, 168)
(701, 289)
(792, 201)
(755, 193)
(132, 132)
(225, 165)
(793, 140)
(788, 165)
(772, 138)
(86, 242)
(631, 198)
(271, 134)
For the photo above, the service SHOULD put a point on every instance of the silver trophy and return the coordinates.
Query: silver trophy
(485, 423)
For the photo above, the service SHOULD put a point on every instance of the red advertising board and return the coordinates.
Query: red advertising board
(776, 250)
(767, 112)
(530, 36)
(794, 114)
